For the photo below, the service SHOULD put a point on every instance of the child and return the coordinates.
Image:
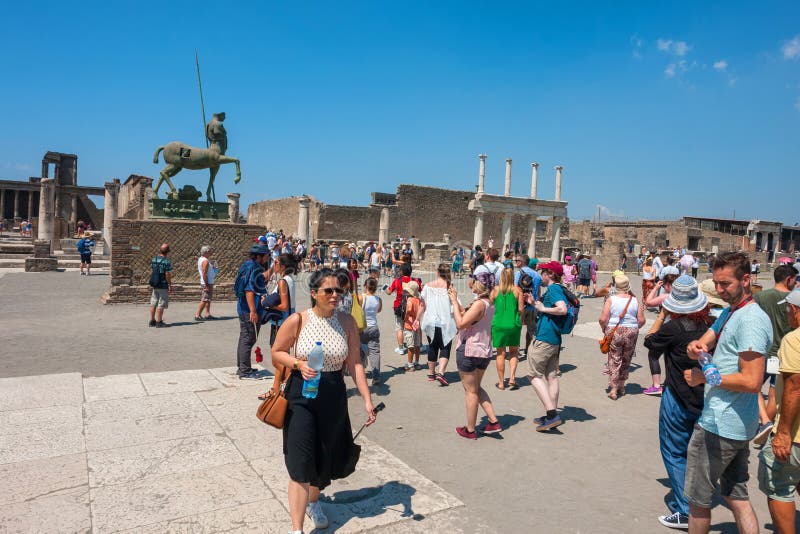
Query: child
(371, 336)
(412, 335)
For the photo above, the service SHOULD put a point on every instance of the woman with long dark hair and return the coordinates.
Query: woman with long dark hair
(317, 437)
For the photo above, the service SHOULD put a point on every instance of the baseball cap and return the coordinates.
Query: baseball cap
(553, 266)
(259, 249)
(792, 298)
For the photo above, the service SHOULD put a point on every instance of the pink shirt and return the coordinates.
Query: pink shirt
(477, 337)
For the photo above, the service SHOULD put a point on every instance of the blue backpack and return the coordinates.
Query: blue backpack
(573, 309)
(83, 246)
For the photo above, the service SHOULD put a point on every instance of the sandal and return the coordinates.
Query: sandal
(513, 386)
(613, 395)
(497, 385)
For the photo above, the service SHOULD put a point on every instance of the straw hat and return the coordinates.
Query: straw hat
(685, 297)
(411, 288)
(622, 282)
(708, 289)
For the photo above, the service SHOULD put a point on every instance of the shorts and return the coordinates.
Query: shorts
(160, 297)
(398, 323)
(412, 338)
(778, 480)
(710, 459)
(543, 358)
(86, 258)
(207, 294)
(584, 281)
(436, 347)
(466, 364)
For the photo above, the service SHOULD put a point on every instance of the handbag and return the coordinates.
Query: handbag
(272, 409)
(605, 343)
(358, 314)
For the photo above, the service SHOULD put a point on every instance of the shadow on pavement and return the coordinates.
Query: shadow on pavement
(566, 368)
(574, 413)
(369, 502)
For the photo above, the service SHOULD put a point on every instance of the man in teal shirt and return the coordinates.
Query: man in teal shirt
(719, 451)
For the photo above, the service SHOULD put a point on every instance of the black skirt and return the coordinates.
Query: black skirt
(317, 437)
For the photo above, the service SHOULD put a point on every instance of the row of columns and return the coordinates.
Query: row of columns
(506, 232)
(17, 214)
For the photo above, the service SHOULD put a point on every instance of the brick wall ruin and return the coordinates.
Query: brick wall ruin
(135, 243)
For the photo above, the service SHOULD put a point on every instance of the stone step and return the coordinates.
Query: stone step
(19, 261)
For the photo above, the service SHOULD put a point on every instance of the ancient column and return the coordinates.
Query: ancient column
(302, 218)
(2, 204)
(233, 207)
(383, 226)
(110, 210)
(532, 233)
(16, 203)
(73, 212)
(508, 177)
(558, 168)
(534, 178)
(506, 230)
(555, 254)
(477, 238)
(30, 205)
(47, 207)
(481, 173)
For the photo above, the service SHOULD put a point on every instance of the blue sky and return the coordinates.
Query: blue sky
(655, 109)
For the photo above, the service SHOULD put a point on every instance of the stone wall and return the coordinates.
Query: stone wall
(354, 223)
(135, 242)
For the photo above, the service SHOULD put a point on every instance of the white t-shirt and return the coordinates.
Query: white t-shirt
(371, 305)
(375, 259)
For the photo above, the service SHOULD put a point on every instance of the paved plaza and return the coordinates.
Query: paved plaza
(107, 425)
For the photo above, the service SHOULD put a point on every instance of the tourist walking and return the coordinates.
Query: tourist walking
(250, 286)
(438, 323)
(474, 351)
(621, 318)
(719, 449)
(570, 273)
(584, 268)
(345, 304)
(528, 280)
(85, 246)
(681, 404)
(507, 328)
(779, 461)
(396, 288)
(371, 336)
(281, 276)
(772, 302)
(648, 277)
(161, 282)
(412, 333)
(207, 274)
(491, 265)
(317, 437)
(543, 354)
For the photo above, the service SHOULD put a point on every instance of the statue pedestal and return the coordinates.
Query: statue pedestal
(188, 209)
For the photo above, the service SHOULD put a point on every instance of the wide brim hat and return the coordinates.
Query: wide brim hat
(710, 291)
(412, 288)
(669, 269)
(685, 296)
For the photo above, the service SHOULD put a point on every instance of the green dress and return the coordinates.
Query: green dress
(506, 325)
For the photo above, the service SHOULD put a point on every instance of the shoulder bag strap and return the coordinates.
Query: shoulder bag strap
(285, 372)
(621, 316)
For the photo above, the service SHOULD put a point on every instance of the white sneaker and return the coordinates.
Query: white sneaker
(398, 350)
(314, 511)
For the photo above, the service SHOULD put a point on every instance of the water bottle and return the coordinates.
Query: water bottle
(713, 378)
(315, 361)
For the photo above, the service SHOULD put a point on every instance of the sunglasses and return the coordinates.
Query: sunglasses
(331, 290)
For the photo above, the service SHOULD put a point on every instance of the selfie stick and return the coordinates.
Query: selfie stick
(377, 409)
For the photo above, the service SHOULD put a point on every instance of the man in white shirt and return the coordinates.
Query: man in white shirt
(491, 265)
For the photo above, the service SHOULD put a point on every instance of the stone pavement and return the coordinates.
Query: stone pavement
(176, 451)
(601, 472)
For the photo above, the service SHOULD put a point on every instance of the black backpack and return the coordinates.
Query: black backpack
(400, 310)
(156, 276)
(525, 281)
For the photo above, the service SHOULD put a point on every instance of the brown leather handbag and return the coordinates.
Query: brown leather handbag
(272, 409)
(605, 342)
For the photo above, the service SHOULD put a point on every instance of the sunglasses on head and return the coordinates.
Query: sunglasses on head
(331, 290)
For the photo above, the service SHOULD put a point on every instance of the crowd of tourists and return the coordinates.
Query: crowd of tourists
(720, 344)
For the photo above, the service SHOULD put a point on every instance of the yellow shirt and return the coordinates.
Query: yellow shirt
(789, 354)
